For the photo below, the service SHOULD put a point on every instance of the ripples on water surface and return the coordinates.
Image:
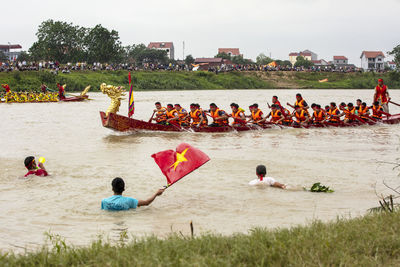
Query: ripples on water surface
(83, 158)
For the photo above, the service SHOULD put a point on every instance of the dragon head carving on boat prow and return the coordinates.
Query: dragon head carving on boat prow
(115, 93)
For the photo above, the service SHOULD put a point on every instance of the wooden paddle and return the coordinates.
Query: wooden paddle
(394, 103)
(152, 116)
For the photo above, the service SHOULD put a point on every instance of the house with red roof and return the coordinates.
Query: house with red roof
(340, 60)
(212, 62)
(166, 46)
(7, 50)
(230, 51)
(391, 65)
(320, 62)
(372, 60)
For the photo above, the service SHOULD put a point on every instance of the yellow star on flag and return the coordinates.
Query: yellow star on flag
(180, 157)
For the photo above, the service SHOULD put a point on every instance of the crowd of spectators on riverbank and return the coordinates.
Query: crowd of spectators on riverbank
(56, 67)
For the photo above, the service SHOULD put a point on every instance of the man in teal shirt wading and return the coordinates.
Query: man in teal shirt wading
(118, 202)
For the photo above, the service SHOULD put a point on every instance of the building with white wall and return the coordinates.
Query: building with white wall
(166, 46)
(372, 60)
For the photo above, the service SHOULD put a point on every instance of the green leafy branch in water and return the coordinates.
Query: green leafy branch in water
(318, 187)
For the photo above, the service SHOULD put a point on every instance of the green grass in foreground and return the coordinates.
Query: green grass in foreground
(372, 240)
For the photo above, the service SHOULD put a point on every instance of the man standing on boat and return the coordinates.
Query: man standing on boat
(61, 95)
(381, 95)
(44, 88)
(301, 103)
(6, 87)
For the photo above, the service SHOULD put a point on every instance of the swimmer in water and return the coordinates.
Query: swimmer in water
(118, 202)
(30, 164)
(261, 171)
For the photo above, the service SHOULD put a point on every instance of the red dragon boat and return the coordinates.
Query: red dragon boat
(124, 124)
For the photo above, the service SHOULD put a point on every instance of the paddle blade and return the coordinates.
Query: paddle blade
(177, 164)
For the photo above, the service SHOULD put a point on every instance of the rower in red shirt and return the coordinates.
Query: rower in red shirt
(30, 164)
(381, 95)
(60, 91)
(276, 102)
(7, 87)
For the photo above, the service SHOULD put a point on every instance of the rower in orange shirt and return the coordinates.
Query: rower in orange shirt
(220, 118)
(377, 111)
(300, 102)
(319, 115)
(172, 115)
(363, 111)
(256, 114)
(333, 114)
(301, 116)
(276, 115)
(237, 115)
(348, 112)
(381, 95)
(161, 114)
(195, 116)
(182, 114)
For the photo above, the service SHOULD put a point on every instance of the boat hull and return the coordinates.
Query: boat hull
(68, 99)
(123, 124)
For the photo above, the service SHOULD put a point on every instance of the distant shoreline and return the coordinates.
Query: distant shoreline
(201, 80)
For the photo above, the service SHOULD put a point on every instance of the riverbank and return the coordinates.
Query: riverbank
(163, 80)
(371, 240)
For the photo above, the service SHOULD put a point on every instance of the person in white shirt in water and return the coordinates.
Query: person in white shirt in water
(261, 171)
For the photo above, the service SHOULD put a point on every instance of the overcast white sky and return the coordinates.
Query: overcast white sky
(326, 27)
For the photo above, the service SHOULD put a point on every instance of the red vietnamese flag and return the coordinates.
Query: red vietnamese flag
(177, 164)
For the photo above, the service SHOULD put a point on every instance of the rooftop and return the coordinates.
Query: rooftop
(208, 60)
(340, 58)
(233, 51)
(372, 54)
(160, 45)
(11, 46)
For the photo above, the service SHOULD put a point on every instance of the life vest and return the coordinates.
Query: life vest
(301, 104)
(380, 94)
(171, 114)
(332, 114)
(319, 116)
(349, 113)
(256, 115)
(276, 116)
(377, 112)
(205, 120)
(300, 117)
(161, 115)
(287, 115)
(182, 116)
(195, 115)
(236, 117)
(215, 114)
(362, 112)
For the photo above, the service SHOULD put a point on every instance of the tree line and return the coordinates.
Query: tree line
(64, 42)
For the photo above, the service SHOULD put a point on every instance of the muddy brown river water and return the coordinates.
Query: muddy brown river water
(83, 157)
